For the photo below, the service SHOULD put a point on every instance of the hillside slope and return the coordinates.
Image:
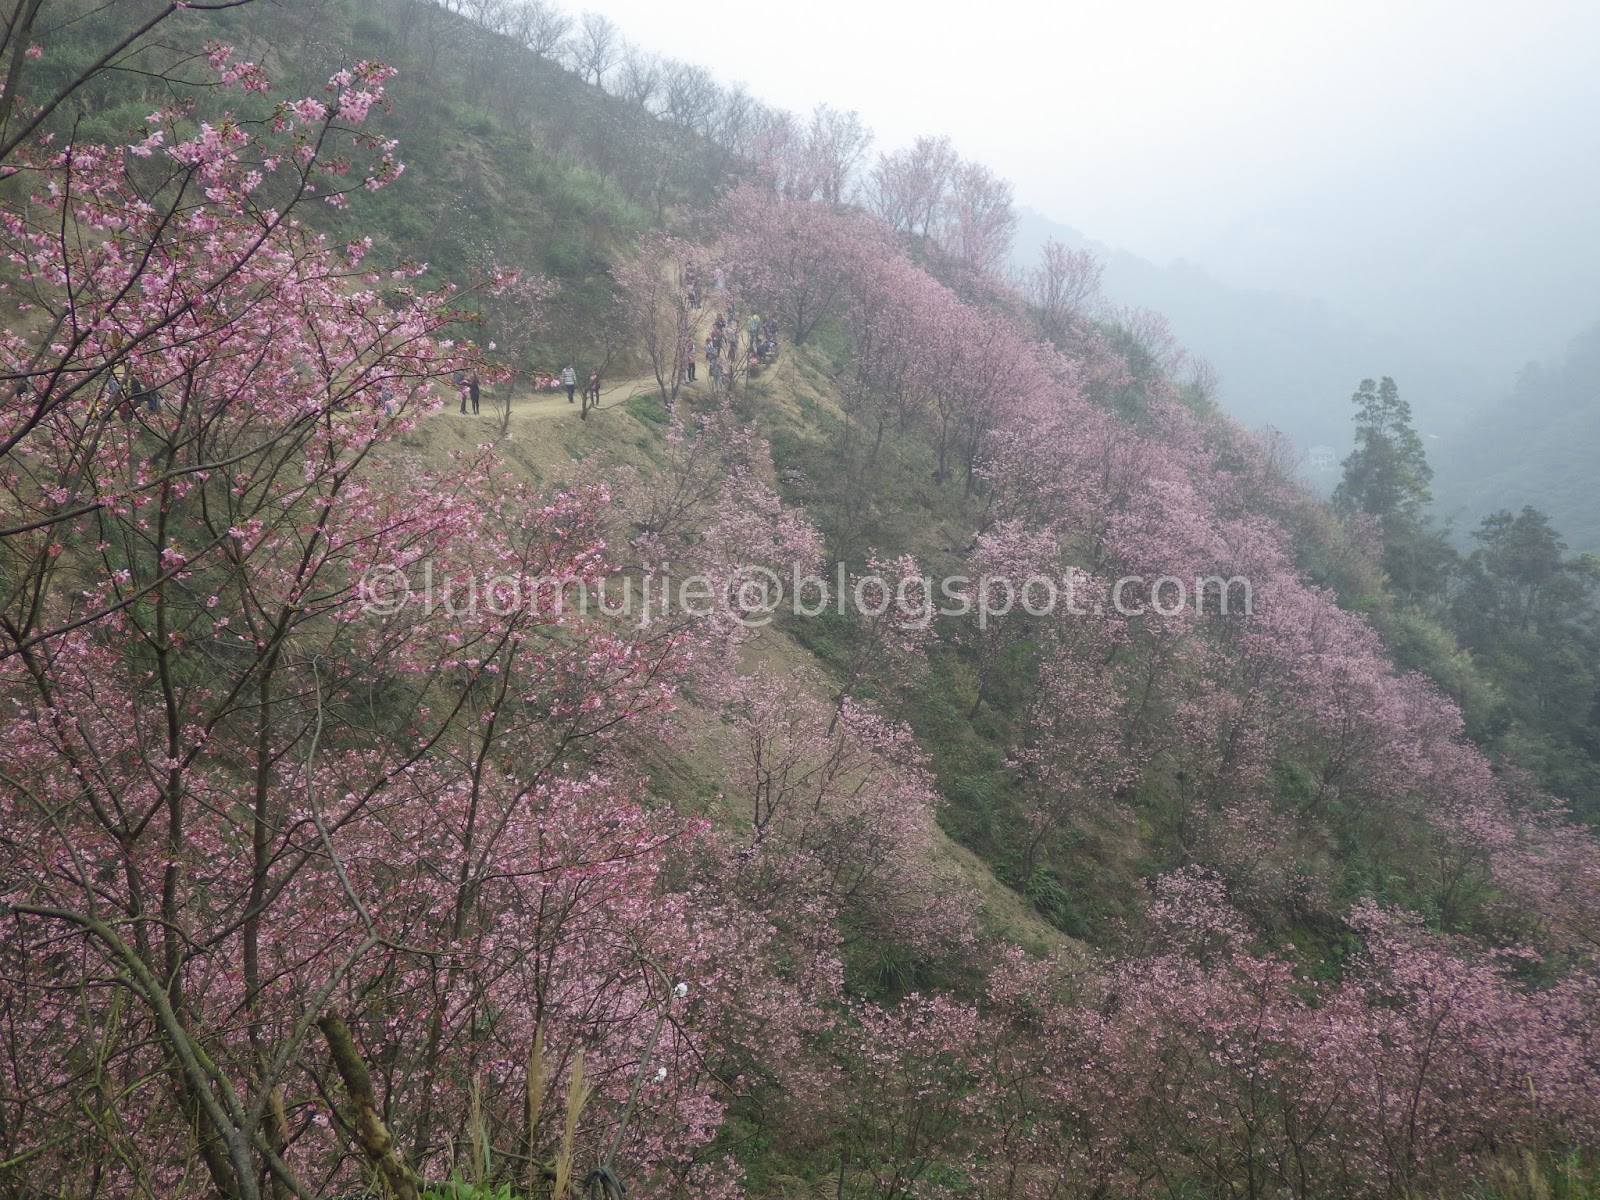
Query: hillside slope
(912, 759)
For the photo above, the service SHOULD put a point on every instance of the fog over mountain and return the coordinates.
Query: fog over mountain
(1283, 359)
(1449, 264)
(1537, 447)
(1312, 194)
(1478, 244)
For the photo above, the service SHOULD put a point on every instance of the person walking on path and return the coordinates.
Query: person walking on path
(473, 391)
(688, 359)
(591, 394)
(569, 380)
(460, 380)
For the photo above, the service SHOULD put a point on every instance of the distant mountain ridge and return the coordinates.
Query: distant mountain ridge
(1538, 446)
(1285, 360)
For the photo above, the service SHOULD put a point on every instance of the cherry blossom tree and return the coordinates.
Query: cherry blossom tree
(315, 836)
(839, 809)
(836, 143)
(910, 1096)
(654, 296)
(1062, 287)
(974, 235)
(800, 259)
(907, 188)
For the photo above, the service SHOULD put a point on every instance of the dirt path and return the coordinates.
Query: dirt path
(549, 406)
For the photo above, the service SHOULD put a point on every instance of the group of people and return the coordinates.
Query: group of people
(591, 389)
(467, 386)
(723, 345)
(756, 336)
(468, 389)
(691, 283)
(125, 396)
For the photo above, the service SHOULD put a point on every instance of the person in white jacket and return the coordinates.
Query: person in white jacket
(569, 380)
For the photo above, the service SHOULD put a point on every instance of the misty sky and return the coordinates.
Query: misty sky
(1428, 165)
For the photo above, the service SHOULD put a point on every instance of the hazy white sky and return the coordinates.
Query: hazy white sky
(1151, 124)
